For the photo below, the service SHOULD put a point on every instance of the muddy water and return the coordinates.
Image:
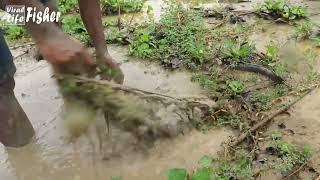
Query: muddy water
(52, 156)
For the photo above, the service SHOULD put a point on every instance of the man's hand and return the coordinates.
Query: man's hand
(68, 54)
(110, 69)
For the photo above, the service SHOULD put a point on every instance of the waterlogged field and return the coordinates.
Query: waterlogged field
(253, 59)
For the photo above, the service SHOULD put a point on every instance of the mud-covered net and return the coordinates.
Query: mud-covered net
(146, 114)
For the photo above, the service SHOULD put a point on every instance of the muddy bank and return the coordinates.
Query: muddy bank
(52, 156)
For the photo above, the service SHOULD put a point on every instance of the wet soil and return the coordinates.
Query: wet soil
(52, 156)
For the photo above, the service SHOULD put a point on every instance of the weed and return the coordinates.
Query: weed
(177, 39)
(282, 9)
(237, 51)
(207, 82)
(316, 41)
(280, 69)
(127, 6)
(229, 119)
(236, 87)
(109, 22)
(304, 29)
(290, 155)
(271, 51)
(14, 32)
(67, 6)
(73, 25)
(210, 168)
(115, 36)
(263, 101)
(313, 74)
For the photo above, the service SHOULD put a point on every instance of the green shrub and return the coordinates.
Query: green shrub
(237, 51)
(282, 9)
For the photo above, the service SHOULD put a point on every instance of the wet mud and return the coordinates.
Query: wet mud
(51, 155)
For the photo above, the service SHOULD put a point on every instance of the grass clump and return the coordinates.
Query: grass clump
(206, 82)
(115, 36)
(290, 156)
(126, 6)
(237, 51)
(179, 38)
(303, 30)
(236, 87)
(264, 100)
(282, 9)
(210, 168)
(232, 120)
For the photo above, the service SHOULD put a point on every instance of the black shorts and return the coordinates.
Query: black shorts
(7, 68)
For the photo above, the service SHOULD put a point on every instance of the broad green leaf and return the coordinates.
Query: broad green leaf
(176, 174)
(144, 38)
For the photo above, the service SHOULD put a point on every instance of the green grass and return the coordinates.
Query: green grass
(263, 100)
(206, 82)
(303, 29)
(236, 50)
(232, 120)
(236, 87)
(290, 155)
(178, 39)
(14, 32)
(215, 169)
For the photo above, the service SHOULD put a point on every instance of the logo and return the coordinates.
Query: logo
(20, 15)
(15, 15)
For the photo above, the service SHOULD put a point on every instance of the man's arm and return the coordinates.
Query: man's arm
(92, 18)
(53, 44)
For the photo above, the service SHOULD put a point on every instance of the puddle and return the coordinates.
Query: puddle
(50, 156)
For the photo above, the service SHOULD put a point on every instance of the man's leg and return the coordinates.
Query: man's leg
(15, 127)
